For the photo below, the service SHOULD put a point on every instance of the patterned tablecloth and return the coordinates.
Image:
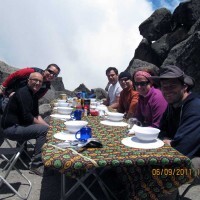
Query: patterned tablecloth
(147, 173)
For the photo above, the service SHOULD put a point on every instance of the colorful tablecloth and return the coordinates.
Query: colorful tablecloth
(147, 173)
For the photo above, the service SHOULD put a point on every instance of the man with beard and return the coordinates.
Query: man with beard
(180, 124)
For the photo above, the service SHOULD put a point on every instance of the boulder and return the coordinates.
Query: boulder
(186, 55)
(45, 110)
(162, 46)
(139, 63)
(187, 13)
(144, 52)
(158, 24)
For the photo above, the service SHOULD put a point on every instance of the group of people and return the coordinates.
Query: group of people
(21, 120)
(169, 105)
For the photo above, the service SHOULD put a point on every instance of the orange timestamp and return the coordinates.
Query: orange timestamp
(174, 172)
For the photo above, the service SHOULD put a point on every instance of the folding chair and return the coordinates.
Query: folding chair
(196, 181)
(15, 152)
(80, 182)
(23, 150)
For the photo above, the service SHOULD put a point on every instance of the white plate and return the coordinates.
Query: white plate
(65, 135)
(111, 123)
(136, 143)
(114, 120)
(59, 116)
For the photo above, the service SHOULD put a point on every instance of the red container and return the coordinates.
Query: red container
(94, 112)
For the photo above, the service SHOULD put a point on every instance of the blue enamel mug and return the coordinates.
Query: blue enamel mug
(77, 114)
(83, 134)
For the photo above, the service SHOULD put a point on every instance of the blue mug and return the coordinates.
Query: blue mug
(77, 114)
(84, 133)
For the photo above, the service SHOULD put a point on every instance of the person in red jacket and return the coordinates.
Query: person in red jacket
(128, 97)
(19, 79)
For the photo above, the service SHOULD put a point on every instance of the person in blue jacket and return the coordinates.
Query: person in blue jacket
(180, 124)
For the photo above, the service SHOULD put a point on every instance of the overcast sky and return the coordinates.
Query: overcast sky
(83, 37)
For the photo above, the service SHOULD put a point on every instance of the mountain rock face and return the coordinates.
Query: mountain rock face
(171, 38)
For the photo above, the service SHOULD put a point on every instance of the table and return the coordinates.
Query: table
(147, 173)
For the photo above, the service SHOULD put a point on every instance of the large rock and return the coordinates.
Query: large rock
(186, 55)
(187, 13)
(139, 63)
(158, 24)
(144, 52)
(162, 46)
(5, 70)
(195, 27)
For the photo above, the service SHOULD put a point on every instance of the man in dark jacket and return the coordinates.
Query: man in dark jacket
(180, 125)
(21, 120)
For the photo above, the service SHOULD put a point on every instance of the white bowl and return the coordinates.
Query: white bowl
(64, 110)
(92, 100)
(115, 116)
(102, 107)
(146, 133)
(74, 126)
(60, 104)
(61, 101)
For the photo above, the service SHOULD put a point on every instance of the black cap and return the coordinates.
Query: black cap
(124, 75)
(173, 71)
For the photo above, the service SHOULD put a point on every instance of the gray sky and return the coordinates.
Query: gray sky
(84, 37)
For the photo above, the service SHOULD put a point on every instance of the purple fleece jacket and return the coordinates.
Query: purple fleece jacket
(151, 108)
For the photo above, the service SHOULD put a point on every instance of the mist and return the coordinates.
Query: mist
(83, 37)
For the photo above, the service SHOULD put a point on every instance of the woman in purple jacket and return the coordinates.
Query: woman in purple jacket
(151, 103)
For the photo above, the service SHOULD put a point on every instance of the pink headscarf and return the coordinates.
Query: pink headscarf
(142, 73)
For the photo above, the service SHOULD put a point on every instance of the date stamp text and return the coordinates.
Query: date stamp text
(174, 172)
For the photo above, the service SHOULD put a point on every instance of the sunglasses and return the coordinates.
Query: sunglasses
(142, 83)
(52, 72)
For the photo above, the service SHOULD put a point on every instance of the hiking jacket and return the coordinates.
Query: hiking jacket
(150, 108)
(182, 126)
(21, 108)
(128, 101)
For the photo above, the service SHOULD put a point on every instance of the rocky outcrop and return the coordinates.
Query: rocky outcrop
(171, 39)
(156, 25)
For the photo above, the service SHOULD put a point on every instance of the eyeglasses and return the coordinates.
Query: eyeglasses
(52, 72)
(142, 83)
(35, 80)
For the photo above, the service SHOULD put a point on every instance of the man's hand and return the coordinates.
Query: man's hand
(2, 89)
(167, 141)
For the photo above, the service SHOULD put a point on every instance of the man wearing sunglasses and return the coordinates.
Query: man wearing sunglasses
(128, 97)
(19, 79)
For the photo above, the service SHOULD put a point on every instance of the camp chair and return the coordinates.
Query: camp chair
(80, 182)
(23, 150)
(196, 181)
(4, 173)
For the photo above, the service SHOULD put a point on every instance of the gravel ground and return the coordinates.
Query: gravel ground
(48, 188)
